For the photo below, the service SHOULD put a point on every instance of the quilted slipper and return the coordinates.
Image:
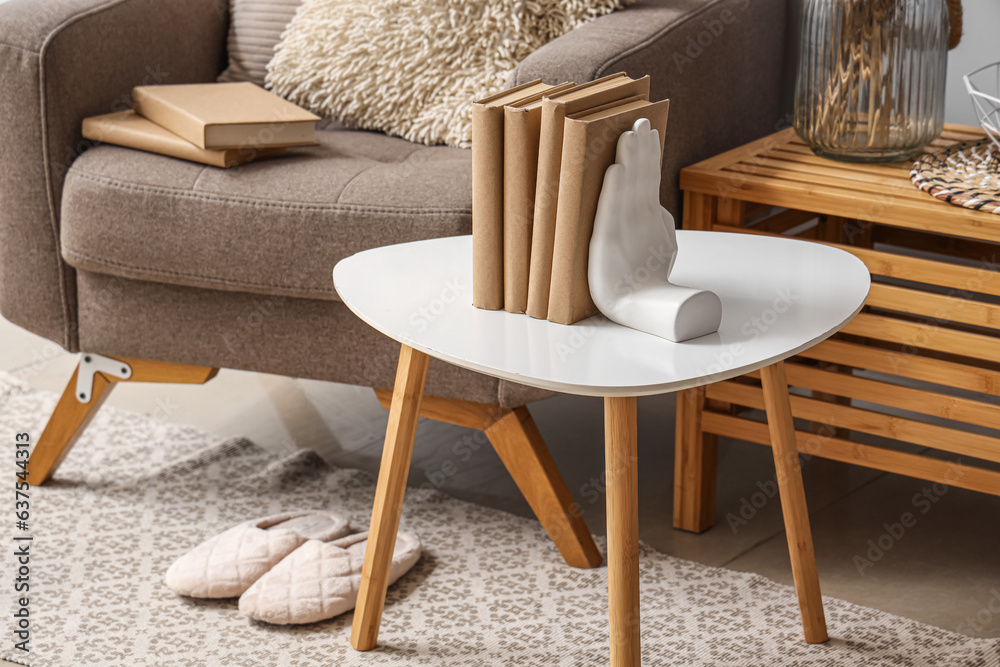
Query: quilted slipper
(320, 580)
(227, 564)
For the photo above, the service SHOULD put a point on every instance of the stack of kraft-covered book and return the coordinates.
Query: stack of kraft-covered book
(539, 153)
(218, 124)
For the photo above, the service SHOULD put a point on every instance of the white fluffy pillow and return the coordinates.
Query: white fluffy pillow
(412, 68)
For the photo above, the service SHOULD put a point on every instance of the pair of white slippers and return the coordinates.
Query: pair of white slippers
(298, 567)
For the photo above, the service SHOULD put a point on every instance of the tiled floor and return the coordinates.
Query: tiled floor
(943, 570)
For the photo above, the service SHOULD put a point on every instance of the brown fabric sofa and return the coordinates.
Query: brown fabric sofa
(139, 256)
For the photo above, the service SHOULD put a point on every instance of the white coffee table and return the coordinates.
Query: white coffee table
(780, 296)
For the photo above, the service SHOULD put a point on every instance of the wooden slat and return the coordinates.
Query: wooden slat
(851, 183)
(746, 151)
(937, 306)
(452, 410)
(890, 347)
(952, 134)
(876, 423)
(925, 336)
(985, 279)
(787, 140)
(939, 244)
(855, 453)
(879, 205)
(910, 366)
(804, 155)
(780, 223)
(893, 395)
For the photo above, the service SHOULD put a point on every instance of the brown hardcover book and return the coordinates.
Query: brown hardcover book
(589, 144)
(226, 115)
(129, 129)
(522, 124)
(555, 108)
(487, 192)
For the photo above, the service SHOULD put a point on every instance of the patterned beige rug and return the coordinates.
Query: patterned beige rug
(489, 590)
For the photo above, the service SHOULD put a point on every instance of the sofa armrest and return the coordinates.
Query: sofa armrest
(61, 61)
(718, 61)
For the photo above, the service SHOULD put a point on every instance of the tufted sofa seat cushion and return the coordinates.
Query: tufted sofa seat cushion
(274, 226)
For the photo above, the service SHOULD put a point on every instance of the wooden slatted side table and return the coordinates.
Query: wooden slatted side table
(920, 365)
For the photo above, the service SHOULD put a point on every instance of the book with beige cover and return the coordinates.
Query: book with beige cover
(555, 109)
(522, 126)
(589, 143)
(226, 115)
(487, 192)
(129, 129)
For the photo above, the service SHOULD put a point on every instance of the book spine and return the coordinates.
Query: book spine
(109, 132)
(588, 150)
(544, 213)
(566, 303)
(168, 117)
(521, 129)
(487, 207)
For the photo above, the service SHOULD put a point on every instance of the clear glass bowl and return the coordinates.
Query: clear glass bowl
(984, 89)
(871, 76)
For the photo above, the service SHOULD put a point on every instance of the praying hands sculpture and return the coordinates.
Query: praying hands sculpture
(634, 246)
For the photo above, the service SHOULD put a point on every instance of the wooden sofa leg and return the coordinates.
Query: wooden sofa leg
(72, 415)
(519, 444)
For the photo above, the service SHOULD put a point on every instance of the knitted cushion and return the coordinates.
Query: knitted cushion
(412, 68)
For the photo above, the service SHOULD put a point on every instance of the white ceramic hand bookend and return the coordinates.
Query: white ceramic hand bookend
(634, 246)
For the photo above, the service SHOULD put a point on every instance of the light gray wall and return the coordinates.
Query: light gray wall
(980, 46)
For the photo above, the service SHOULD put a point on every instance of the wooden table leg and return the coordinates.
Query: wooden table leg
(622, 472)
(793, 502)
(411, 373)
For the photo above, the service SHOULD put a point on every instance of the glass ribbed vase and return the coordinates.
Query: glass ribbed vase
(871, 76)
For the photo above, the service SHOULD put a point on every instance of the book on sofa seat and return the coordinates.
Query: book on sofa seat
(129, 129)
(590, 141)
(555, 108)
(227, 115)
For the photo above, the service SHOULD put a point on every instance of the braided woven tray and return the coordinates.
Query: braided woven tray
(965, 174)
